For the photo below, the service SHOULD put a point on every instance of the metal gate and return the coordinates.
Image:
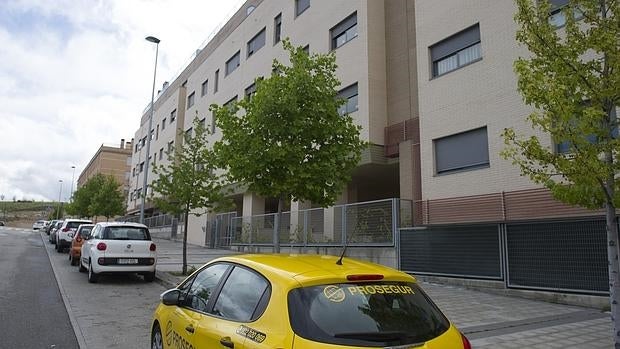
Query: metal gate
(463, 251)
(219, 230)
(558, 256)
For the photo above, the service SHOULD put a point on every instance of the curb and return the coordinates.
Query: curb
(74, 323)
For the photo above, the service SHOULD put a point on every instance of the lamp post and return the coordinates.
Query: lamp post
(148, 130)
(59, 204)
(72, 179)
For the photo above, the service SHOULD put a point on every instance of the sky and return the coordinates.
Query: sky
(77, 74)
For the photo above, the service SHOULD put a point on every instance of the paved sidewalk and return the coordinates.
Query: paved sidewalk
(488, 320)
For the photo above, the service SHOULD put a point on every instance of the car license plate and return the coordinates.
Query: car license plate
(127, 261)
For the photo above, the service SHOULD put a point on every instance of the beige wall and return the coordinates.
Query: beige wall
(480, 94)
(108, 160)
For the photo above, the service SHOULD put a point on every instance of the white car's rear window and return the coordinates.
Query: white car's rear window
(126, 233)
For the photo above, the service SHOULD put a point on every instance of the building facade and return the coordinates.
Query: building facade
(432, 85)
(110, 160)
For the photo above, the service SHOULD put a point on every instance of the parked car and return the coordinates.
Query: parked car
(65, 233)
(1, 224)
(115, 247)
(53, 231)
(300, 302)
(83, 231)
(38, 225)
(50, 226)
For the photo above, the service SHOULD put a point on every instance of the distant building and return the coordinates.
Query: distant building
(110, 160)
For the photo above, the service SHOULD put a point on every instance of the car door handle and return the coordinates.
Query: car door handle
(189, 328)
(227, 342)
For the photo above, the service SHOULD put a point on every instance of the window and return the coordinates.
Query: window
(241, 296)
(462, 151)
(137, 147)
(173, 115)
(233, 63)
(204, 88)
(152, 134)
(557, 15)
(567, 147)
(250, 91)
(277, 29)
(203, 122)
(157, 133)
(133, 172)
(161, 153)
(231, 102)
(163, 124)
(301, 6)
(188, 133)
(373, 319)
(202, 286)
(190, 100)
(456, 51)
(256, 43)
(212, 123)
(344, 31)
(170, 146)
(350, 96)
(307, 49)
(217, 80)
(142, 167)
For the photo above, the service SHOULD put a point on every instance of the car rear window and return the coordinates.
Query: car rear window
(75, 225)
(365, 314)
(86, 230)
(126, 233)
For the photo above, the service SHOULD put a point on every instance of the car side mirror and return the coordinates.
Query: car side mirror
(171, 297)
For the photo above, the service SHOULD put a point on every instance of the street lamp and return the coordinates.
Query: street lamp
(148, 130)
(59, 194)
(72, 178)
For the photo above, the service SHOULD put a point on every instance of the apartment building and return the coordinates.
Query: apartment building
(112, 160)
(432, 85)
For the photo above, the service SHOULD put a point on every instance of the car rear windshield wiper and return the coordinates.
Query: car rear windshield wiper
(383, 336)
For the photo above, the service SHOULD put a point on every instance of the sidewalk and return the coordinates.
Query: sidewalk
(488, 320)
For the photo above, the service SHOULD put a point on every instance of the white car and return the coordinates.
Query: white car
(118, 247)
(38, 225)
(64, 234)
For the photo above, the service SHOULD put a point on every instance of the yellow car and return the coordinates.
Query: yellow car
(301, 302)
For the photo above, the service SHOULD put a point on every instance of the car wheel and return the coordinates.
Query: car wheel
(156, 339)
(82, 268)
(149, 277)
(92, 276)
(57, 247)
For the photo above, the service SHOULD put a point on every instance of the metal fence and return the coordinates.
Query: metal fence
(364, 223)
(159, 221)
(554, 255)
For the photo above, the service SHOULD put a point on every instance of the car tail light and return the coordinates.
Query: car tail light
(466, 344)
(365, 277)
(65, 230)
(101, 246)
(153, 247)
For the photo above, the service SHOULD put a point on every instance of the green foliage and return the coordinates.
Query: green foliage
(572, 78)
(57, 211)
(108, 200)
(291, 143)
(101, 195)
(190, 182)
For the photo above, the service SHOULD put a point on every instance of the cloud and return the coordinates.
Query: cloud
(76, 74)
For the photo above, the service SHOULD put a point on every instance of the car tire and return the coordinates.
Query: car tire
(157, 341)
(82, 268)
(57, 247)
(92, 276)
(149, 277)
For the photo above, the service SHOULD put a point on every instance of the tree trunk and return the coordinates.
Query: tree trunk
(185, 240)
(276, 228)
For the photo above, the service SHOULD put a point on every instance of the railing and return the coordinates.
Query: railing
(365, 223)
(159, 221)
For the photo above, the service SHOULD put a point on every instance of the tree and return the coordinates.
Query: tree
(572, 78)
(291, 143)
(83, 197)
(190, 182)
(56, 213)
(107, 200)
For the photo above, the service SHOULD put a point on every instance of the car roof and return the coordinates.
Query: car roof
(307, 270)
(121, 224)
(78, 220)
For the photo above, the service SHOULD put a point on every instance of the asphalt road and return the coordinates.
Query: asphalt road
(32, 312)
